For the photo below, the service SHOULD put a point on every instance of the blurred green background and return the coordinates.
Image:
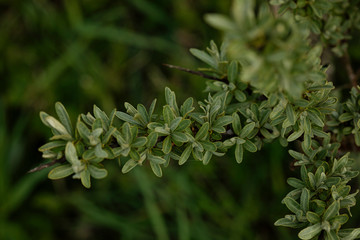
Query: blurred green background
(83, 52)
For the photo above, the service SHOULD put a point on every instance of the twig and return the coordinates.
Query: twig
(195, 72)
(46, 165)
(350, 71)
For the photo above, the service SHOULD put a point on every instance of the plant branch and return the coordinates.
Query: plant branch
(46, 165)
(350, 71)
(201, 74)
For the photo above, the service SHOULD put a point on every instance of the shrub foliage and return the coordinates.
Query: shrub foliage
(267, 83)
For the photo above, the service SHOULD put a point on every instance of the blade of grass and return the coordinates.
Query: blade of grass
(152, 208)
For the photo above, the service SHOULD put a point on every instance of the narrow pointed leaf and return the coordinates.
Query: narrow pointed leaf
(64, 117)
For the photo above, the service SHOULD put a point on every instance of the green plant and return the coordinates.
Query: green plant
(267, 83)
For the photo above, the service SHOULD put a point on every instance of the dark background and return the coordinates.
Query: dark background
(105, 53)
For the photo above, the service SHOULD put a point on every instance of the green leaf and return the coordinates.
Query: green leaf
(156, 169)
(320, 133)
(278, 110)
(286, 222)
(220, 22)
(168, 114)
(139, 142)
(313, 217)
(112, 117)
(127, 132)
(99, 114)
(61, 172)
(295, 135)
(310, 232)
(127, 118)
(239, 95)
(292, 205)
(143, 113)
(96, 172)
(167, 145)
(134, 155)
(349, 234)
(162, 130)
(247, 130)
(99, 152)
(307, 141)
(296, 183)
(89, 154)
(331, 211)
(207, 157)
(331, 235)
(179, 137)
(70, 154)
(236, 123)
(222, 121)
(290, 114)
(306, 125)
(83, 131)
(203, 132)
(251, 147)
(345, 117)
(185, 154)
(108, 135)
(203, 56)
(233, 72)
(208, 146)
(170, 99)
(305, 200)
(175, 123)
(64, 117)
(156, 159)
(52, 145)
(151, 139)
(85, 178)
(130, 109)
(357, 138)
(183, 125)
(239, 153)
(340, 219)
(187, 107)
(53, 123)
(315, 118)
(130, 164)
(152, 108)
(97, 124)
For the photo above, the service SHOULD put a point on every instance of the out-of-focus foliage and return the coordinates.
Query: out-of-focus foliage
(334, 21)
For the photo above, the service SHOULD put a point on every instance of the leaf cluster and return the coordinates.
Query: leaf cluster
(270, 86)
(333, 21)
